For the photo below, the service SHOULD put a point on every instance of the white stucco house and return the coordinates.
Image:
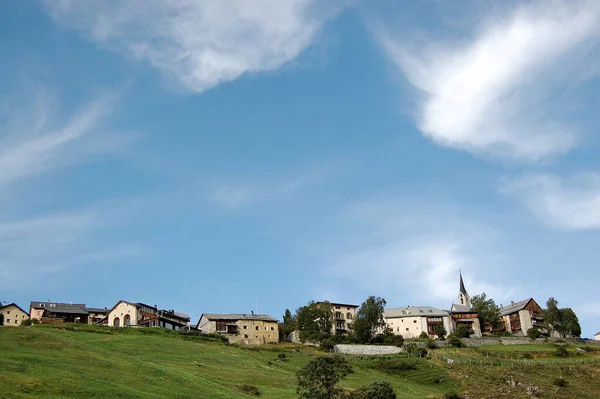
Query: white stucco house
(597, 336)
(411, 321)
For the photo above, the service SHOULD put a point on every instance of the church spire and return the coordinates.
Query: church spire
(462, 284)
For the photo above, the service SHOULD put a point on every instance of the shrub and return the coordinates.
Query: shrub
(561, 351)
(30, 322)
(327, 344)
(392, 366)
(441, 332)
(560, 382)
(281, 356)
(414, 350)
(378, 339)
(423, 335)
(455, 340)
(533, 333)
(247, 389)
(396, 340)
(462, 331)
(1, 319)
(375, 390)
(431, 344)
(318, 379)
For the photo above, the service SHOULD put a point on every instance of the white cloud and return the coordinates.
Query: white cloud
(234, 197)
(495, 92)
(566, 203)
(199, 42)
(414, 254)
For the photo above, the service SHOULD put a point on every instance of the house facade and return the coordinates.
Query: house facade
(129, 314)
(518, 317)
(411, 321)
(58, 312)
(343, 317)
(13, 314)
(247, 329)
(597, 336)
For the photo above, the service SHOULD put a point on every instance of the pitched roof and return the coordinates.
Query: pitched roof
(414, 311)
(14, 304)
(598, 333)
(514, 307)
(238, 316)
(66, 310)
(97, 310)
(339, 304)
(46, 304)
(460, 308)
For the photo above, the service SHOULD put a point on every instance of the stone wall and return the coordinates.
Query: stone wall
(367, 349)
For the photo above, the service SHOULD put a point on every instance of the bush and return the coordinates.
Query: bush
(392, 366)
(431, 344)
(378, 339)
(533, 333)
(414, 350)
(318, 379)
(281, 356)
(462, 331)
(396, 340)
(561, 351)
(441, 332)
(423, 335)
(560, 382)
(30, 322)
(327, 344)
(455, 341)
(375, 390)
(247, 389)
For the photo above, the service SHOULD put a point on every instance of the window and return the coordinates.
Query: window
(42, 305)
(347, 308)
(272, 328)
(8, 320)
(245, 335)
(256, 328)
(245, 327)
(414, 321)
(8, 312)
(337, 307)
(407, 329)
(265, 328)
(349, 316)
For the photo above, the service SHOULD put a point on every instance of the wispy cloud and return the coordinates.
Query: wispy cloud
(234, 197)
(200, 43)
(569, 203)
(414, 253)
(496, 92)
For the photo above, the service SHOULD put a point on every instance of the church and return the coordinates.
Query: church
(461, 312)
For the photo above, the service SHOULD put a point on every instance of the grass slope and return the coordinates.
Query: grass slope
(46, 362)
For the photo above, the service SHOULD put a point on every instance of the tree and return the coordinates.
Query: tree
(564, 321)
(440, 331)
(369, 319)
(314, 321)
(488, 312)
(318, 379)
(288, 325)
(551, 315)
(375, 390)
(462, 331)
(533, 333)
(1, 319)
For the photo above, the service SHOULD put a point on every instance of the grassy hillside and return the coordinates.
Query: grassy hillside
(43, 362)
(51, 362)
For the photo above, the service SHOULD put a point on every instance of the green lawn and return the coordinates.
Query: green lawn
(46, 362)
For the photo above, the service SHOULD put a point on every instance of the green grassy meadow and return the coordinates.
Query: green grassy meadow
(99, 362)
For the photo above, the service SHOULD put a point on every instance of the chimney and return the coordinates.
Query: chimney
(512, 302)
(70, 302)
(252, 311)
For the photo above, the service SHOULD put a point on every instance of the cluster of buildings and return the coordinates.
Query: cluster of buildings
(255, 329)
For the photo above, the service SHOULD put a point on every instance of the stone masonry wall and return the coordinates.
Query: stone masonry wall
(367, 349)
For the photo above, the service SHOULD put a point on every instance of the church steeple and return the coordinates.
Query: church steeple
(463, 296)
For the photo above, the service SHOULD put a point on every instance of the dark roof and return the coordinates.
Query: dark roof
(462, 285)
(238, 316)
(14, 304)
(339, 304)
(460, 309)
(514, 307)
(46, 304)
(66, 310)
(97, 310)
(598, 333)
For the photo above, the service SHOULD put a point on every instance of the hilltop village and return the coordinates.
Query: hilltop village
(517, 318)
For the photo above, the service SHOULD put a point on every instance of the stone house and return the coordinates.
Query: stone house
(13, 314)
(247, 329)
(518, 317)
(411, 321)
(58, 312)
(129, 314)
(343, 315)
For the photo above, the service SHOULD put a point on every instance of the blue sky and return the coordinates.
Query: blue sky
(234, 156)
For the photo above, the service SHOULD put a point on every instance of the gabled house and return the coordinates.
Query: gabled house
(411, 321)
(248, 329)
(58, 312)
(520, 316)
(129, 314)
(597, 336)
(13, 314)
(343, 316)
(462, 313)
